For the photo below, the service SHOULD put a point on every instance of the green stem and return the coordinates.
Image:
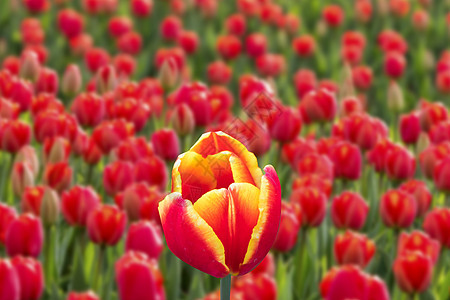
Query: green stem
(48, 266)
(90, 171)
(98, 269)
(225, 288)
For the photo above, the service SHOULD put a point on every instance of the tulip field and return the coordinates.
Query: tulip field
(224, 149)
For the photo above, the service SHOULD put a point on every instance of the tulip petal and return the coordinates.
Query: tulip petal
(194, 175)
(266, 229)
(211, 143)
(190, 238)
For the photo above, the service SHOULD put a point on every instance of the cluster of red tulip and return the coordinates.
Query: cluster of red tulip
(100, 99)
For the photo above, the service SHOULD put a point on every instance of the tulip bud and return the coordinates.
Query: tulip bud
(32, 199)
(182, 119)
(49, 207)
(117, 176)
(82, 296)
(106, 224)
(106, 79)
(289, 228)
(58, 176)
(71, 81)
(30, 66)
(398, 209)
(166, 144)
(144, 273)
(437, 225)
(77, 203)
(21, 177)
(349, 210)
(413, 271)
(56, 150)
(31, 277)
(353, 248)
(169, 74)
(28, 155)
(9, 281)
(25, 236)
(285, 125)
(7, 215)
(395, 99)
(346, 86)
(313, 205)
(146, 237)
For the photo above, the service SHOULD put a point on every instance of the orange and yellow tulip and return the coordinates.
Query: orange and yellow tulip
(223, 214)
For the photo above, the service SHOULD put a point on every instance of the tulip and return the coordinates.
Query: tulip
(353, 248)
(22, 176)
(219, 72)
(49, 207)
(304, 45)
(313, 205)
(31, 277)
(333, 15)
(134, 272)
(149, 206)
(146, 237)
(9, 281)
(58, 176)
(362, 77)
(151, 170)
(171, 28)
(347, 160)
(349, 210)
(24, 236)
(189, 41)
(56, 150)
(313, 181)
(289, 227)
(410, 128)
(419, 241)
(440, 174)
(7, 215)
(394, 64)
(82, 296)
(51, 124)
(77, 203)
(95, 58)
(141, 8)
(14, 134)
(32, 199)
(286, 125)
(214, 174)
(9, 109)
(27, 154)
(117, 176)
(134, 197)
(256, 45)
(440, 132)
(316, 164)
(236, 24)
(131, 110)
(43, 103)
(106, 224)
(29, 65)
(195, 95)
(443, 82)
(420, 192)
(89, 109)
(400, 163)
(133, 149)
(398, 209)
(318, 106)
(429, 158)
(166, 144)
(124, 64)
(72, 80)
(437, 225)
(432, 114)
(109, 134)
(228, 46)
(130, 43)
(91, 153)
(413, 271)
(256, 286)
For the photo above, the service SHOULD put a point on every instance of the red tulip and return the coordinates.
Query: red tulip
(286, 125)
(46, 103)
(58, 175)
(440, 174)
(437, 225)
(418, 241)
(91, 153)
(400, 163)
(133, 149)
(333, 15)
(166, 144)
(398, 209)
(413, 271)
(304, 45)
(32, 200)
(27, 154)
(77, 203)
(236, 24)
(349, 210)
(9, 281)
(270, 65)
(151, 170)
(351, 248)
(316, 164)
(146, 237)
(29, 65)
(8, 109)
(24, 236)
(432, 114)
(443, 82)
(195, 95)
(362, 77)
(313, 205)
(255, 286)
(14, 134)
(31, 277)
(255, 45)
(410, 128)
(124, 64)
(219, 72)
(289, 228)
(109, 134)
(89, 109)
(134, 197)
(7, 215)
(56, 150)
(394, 64)
(51, 123)
(95, 58)
(141, 8)
(420, 192)
(106, 224)
(72, 80)
(70, 23)
(22, 176)
(81, 44)
(228, 46)
(188, 40)
(117, 176)
(130, 43)
(313, 181)
(82, 296)
(440, 132)
(171, 28)
(136, 271)
(431, 156)
(47, 82)
(347, 160)
(119, 25)
(318, 106)
(351, 106)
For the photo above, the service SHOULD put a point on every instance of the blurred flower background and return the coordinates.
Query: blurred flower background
(346, 99)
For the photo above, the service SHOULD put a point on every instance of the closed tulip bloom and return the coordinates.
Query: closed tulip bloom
(130, 43)
(289, 227)
(146, 237)
(133, 149)
(106, 224)
(133, 197)
(28, 155)
(149, 206)
(333, 15)
(398, 209)
(9, 109)
(394, 64)
(50, 123)
(228, 46)
(318, 106)
(117, 176)
(419, 190)
(95, 58)
(82, 296)
(189, 41)
(29, 65)
(119, 25)
(70, 23)
(400, 163)
(211, 177)
(419, 241)
(136, 272)
(219, 72)
(441, 174)
(236, 24)
(56, 150)
(22, 176)
(256, 45)
(316, 164)
(32, 199)
(313, 204)
(410, 128)
(286, 125)
(141, 8)
(166, 144)
(14, 134)
(7, 215)
(58, 176)
(71, 81)
(170, 28)
(151, 170)
(351, 248)
(437, 225)
(347, 160)
(304, 46)
(89, 109)
(31, 277)
(429, 158)
(432, 114)
(316, 181)
(9, 281)
(440, 132)
(255, 286)
(25, 236)
(443, 82)
(413, 271)
(349, 210)
(109, 134)
(77, 203)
